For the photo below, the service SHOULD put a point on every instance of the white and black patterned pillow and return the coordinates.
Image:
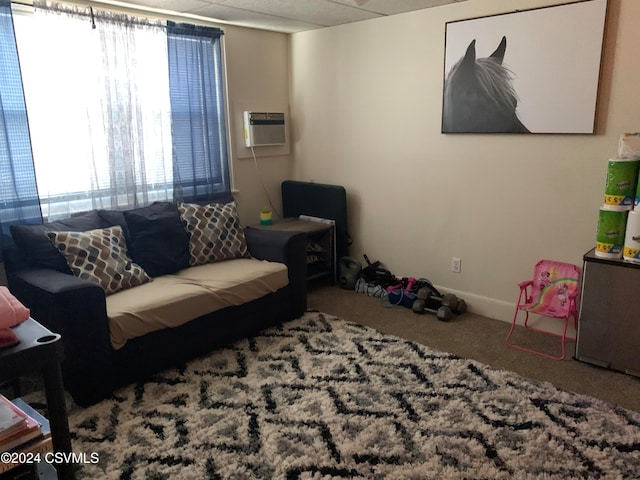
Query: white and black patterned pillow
(215, 232)
(101, 257)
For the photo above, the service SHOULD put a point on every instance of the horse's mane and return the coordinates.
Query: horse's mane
(479, 95)
(494, 79)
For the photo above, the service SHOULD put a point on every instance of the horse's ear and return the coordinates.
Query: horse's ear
(470, 54)
(498, 55)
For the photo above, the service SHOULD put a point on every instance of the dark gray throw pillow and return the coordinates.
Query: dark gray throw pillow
(114, 217)
(157, 240)
(36, 247)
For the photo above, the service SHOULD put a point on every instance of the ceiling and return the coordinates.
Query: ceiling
(287, 16)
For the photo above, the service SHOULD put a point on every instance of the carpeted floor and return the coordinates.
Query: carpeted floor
(321, 398)
(482, 339)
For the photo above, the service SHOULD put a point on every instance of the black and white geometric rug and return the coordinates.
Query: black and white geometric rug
(321, 398)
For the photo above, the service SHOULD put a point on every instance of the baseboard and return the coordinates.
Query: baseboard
(503, 311)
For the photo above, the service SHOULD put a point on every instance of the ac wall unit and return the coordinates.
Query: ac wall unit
(263, 128)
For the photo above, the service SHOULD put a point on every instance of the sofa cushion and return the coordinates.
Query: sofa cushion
(114, 217)
(100, 256)
(157, 240)
(173, 300)
(39, 251)
(215, 233)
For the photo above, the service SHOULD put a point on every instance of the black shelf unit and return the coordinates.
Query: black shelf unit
(317, 232)
(40, 351)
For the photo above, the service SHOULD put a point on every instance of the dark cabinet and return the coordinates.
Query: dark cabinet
(609, 319)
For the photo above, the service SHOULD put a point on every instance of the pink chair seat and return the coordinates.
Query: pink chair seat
(552, 293)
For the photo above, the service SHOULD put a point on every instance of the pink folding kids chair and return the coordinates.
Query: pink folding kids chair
(552, 293)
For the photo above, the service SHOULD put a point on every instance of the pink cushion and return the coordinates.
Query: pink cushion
(8, 338)
(12, 312)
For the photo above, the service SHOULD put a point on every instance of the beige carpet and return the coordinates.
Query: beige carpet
(482, 339)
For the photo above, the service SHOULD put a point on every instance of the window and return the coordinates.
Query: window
(99, 102)
(18, 194)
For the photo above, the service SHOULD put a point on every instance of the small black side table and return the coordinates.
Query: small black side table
(40, 351)
(313, 230)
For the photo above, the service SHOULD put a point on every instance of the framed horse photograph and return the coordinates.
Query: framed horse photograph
(528, 71)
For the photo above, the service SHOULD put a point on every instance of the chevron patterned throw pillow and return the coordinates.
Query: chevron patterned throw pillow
(101, 257)
(215, 232)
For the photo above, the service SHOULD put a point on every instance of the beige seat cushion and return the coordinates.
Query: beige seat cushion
(172, 300)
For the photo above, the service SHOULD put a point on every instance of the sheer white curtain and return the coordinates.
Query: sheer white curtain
(98, 106)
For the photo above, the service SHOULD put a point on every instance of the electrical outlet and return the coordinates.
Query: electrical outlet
(456, 264)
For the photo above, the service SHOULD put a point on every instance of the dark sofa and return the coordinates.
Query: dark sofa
(76, 308)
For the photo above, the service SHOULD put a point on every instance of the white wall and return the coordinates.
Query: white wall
(258, 80)
(366, 108)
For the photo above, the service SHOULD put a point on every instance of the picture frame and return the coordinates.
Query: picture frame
(527, 71)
